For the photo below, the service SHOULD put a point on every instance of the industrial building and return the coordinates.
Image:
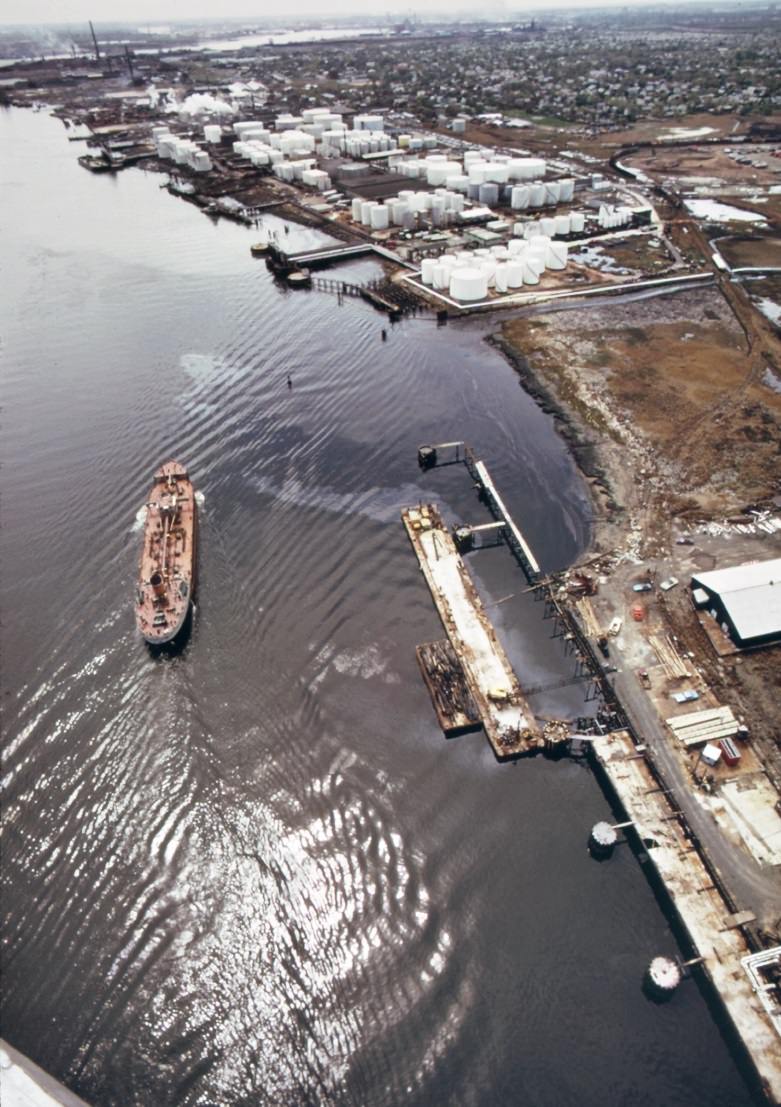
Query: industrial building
(744, 599)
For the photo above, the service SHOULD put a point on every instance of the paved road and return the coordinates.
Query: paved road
(753, 886)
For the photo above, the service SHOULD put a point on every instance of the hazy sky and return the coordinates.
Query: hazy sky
(142, 11)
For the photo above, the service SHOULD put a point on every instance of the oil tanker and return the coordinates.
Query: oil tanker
(167, 574)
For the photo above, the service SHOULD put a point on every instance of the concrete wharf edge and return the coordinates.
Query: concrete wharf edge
(698, 903)
(451, 613)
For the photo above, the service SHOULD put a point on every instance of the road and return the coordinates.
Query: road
(752, 886)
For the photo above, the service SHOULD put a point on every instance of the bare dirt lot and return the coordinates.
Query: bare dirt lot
(761, 251)
(666, 393)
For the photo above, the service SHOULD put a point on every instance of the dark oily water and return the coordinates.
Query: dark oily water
(256, 873)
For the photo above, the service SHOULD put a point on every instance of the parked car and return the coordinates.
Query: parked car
(671, 582)
(644, 586)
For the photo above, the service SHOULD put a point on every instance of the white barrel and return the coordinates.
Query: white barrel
(468, 284)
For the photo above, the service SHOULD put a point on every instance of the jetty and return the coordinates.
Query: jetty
(746, 981)
(474, 679)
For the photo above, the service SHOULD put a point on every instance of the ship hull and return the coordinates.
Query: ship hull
(167, 580)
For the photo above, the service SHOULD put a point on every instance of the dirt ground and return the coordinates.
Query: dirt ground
(751, 250)
(664, 392)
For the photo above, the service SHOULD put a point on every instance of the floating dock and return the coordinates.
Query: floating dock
(716, 934)
(493, 686)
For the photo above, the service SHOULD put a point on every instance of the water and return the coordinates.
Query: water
(256, 873)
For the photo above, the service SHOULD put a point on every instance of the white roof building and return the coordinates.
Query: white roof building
(747, 598)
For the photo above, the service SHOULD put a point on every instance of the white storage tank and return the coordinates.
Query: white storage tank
(562, 224)
(536, 196)
(531, 275)
(379, 217)
(427, 270)
(566, 191)
(355, 209)
(557, 255)
(498, 172)
(577, 222)
(366, 209)
(501, 278)
(548, 226)
(519, 197)
(551, 193)
(514, 274)
(468, 284)
(489, 193)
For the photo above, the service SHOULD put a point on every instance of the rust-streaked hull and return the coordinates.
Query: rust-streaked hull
(168, 570)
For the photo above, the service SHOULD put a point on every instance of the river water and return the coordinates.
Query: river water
(255, 872)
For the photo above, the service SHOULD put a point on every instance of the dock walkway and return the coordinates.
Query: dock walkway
(506, 717)
(713, 931)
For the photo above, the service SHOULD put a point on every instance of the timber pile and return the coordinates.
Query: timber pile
(672, 662)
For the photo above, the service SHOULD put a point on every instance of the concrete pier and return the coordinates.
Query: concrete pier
(715, 933)
(503, 710)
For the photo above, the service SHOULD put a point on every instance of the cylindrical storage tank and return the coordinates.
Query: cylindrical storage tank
(366, 208)
(548, 226)
(473, 191)
(427, 270)
(514, 247)
(519, 197)
(379, 217)
(566, 191)
(514, 274)
(497, 171)
(551, 193)
(404, 141)
(212, 133)
(457, 181)
(536, 196)
(501, 253)
(432, 159)
(530, 273)
(410, 220)
(556, 258)
(355, 209)
(531, 230)
(577, 222)
(501, 278)
(441, 275)
(472, 156)
(458, 203)
(488, 193)
(562, 224)
(535, 262)
(478, 172)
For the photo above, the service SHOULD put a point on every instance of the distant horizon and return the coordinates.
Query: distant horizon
(50, 13)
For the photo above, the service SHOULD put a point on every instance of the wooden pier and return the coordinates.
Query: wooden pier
(493, 686)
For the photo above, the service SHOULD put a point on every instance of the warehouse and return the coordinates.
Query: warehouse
(745, 600)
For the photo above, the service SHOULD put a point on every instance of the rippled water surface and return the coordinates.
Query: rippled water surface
(255, 873)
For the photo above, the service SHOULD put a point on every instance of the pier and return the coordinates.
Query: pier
(488, 677)
(721, 949)
(459, 453)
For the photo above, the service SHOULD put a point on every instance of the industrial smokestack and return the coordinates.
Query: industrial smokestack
(94, 39)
